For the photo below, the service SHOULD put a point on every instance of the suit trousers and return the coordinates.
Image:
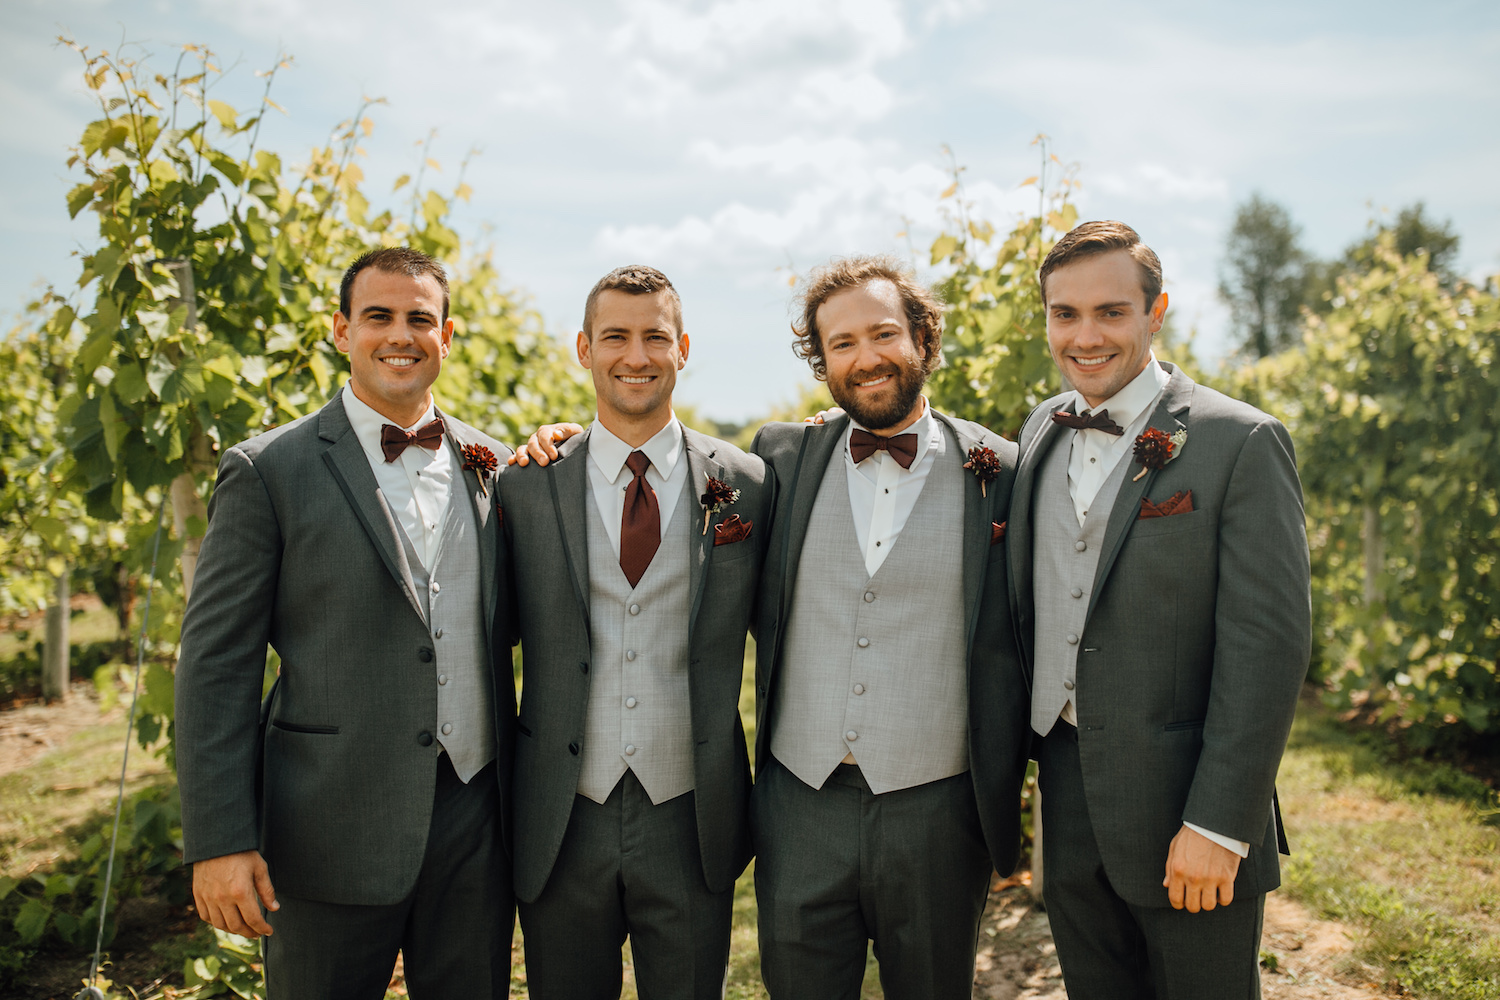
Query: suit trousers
(1111, 949)
(628, 868)
(839, 866)
(453, 931)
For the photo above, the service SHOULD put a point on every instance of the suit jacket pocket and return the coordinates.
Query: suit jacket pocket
(293, 727)
(1177, 727)
(1150, 527)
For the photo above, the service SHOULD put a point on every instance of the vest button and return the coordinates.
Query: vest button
(859, 689)
(630, 703)
(1072, 639)
(435, 587)
(425, 654)
(1076, 592)
(424, 738)
(1069, 685)
(1080, 545)
(851, 736)
(863, 642)
(869, 597)
(572, 749)
(630, 654)
(447, 729)
(442, 679)
(635, 609)
(630, 749)
(437, 633)
(583, 668)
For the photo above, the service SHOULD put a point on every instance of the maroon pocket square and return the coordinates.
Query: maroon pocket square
(997, 532)
(732, 530)
(1178, 503)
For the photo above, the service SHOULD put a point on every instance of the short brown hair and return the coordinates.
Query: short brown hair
(924, 314)
(632, 279)
(1093, 238)
(392, 260)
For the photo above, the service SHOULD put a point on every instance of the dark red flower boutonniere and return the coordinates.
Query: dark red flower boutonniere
(716, 496)
(1154, 449)
(481, 460)
(985, 466)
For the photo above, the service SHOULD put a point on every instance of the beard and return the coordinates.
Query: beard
(888, 408)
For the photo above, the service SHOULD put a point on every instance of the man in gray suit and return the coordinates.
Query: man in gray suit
(364, 805)
(1159, 555)
(891, 702)
(637, 550)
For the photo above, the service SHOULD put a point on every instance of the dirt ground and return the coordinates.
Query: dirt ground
(1017, 960)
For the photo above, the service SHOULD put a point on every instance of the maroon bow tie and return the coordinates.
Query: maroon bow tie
(1097, 421)
(902, 447)
(394, 440)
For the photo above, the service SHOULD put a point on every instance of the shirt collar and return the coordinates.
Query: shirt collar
(924, 427)
(1131, 401)
(367, 422)
(609, 453)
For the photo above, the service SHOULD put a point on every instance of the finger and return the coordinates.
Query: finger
(516, 458)
(264, 889)
(1193, 899)
(1226, 893)
(255, 924)
(1176, 893)
(1210, 899)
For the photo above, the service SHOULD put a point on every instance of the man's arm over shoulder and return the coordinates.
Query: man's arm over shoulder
(778, 443)
(1263, 636)
(219, 673)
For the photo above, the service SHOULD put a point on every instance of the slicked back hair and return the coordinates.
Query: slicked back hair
(924, 314)
(1093, 238)
(632, 279)
(392, 260)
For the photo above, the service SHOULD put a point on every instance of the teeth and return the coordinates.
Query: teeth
(636, 379)
(400, 362)
(1091, 362)
(875, 381)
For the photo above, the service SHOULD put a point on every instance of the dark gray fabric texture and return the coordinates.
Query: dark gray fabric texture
(454, 939)
(841, 866)
(302, 554)
(1112, 949)
(628, 867)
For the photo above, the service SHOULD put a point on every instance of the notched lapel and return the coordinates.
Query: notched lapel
(1018, 538)
(977, 526)
(819, 446)
(701, 465)
(568, 477)
(483, 505)
(350, 467)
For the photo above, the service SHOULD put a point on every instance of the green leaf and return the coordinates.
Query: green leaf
(227, 116)
(253, 369)
(52, 531)
(943, 247)
(223, 366)
(79, 198)
(130, 383)
(7, 884)
(183, 384)
(31, 922)
(228, 166)
(321, 372)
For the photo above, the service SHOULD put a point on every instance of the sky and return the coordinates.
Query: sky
(737, 143)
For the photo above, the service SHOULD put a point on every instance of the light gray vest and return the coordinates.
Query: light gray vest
(451, 602)
(639, 714)
(876, 666)
(1063, 563)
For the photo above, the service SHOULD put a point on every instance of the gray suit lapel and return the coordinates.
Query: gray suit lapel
(1018, 534)
(570, 480)
(700, 453)
(1175, 400)
(819, 444)
(976, 544)
(350, 466)
(467, 484)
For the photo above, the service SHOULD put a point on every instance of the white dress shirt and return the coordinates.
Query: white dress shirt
(417, 485)
(1094, 457)
(610, 477)
(882, 494)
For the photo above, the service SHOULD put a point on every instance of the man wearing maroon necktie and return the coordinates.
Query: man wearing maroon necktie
(636, 553)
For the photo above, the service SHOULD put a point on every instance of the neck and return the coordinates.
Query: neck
(635, 429)
(395, 412)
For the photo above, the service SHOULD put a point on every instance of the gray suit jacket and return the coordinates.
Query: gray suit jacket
(1197, 638)
(546, 533)
(999, 695)
(302, 553)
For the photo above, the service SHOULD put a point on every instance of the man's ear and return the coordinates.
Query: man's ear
(341, 331)
(682, 350)
(1159, 312)
(447, 338)
(585, 357)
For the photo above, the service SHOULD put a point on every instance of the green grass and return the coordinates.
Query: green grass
(1406, 853)
(92, 625)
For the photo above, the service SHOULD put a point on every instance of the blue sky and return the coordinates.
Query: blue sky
(734, 142)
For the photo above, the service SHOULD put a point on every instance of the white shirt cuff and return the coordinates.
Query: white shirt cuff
(1237, 846)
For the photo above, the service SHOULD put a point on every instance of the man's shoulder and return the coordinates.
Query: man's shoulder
(282, 441)
(778, 437)
(732, 458)
(469, 434)
(972, 434)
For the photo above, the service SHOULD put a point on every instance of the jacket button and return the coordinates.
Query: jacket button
(635, 609)
(630, 750)
(573, 749)
(584, 668)
(859, 689)
(1072, 639)
(630, 654)
(425, 654)
(424, 738)
(869, 597)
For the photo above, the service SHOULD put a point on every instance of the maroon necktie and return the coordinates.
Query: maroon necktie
(1097, 421)
(394, 440)
(640, 527)
(863, 444)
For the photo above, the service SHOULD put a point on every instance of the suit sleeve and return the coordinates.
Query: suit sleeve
(1263, 639)
(222, 664)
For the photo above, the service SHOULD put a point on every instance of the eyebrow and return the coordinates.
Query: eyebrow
(370, 310)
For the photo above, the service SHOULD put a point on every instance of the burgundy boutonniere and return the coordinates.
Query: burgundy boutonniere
(985, 466)
(716, 496)
(481, 460)
(1154, 449)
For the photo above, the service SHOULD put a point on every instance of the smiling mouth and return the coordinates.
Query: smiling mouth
(398, 362)
(1093, 362)
(878, 380)
(636, 379)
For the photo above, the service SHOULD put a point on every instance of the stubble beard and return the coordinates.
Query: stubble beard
(877, 415)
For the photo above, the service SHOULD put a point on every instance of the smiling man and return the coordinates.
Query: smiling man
(637, 549)
(1160, 567)
(360, 811)
(890, 699)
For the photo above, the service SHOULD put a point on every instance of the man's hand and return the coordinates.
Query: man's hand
(1200, 873)
(542, 445)
(230, 890)
(823, 416)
